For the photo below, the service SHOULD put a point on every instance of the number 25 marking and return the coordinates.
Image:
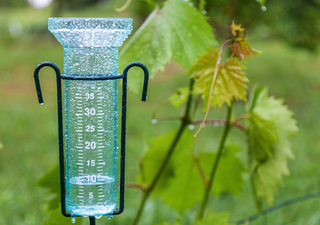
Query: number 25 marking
(90, 128)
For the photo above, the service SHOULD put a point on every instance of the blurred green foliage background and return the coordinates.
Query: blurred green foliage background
(287, 33)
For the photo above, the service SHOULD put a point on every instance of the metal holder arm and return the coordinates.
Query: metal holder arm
(123, 124)
(59, 77)
(60, 125)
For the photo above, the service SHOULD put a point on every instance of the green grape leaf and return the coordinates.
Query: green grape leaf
(186, 187)
(153, 157)
(51, 180)
(56, 218)
(230, 169)
(263, 135)
(270, 126)
(1, 145)
(214, 218)
(230, 82)
(178, 30)
(256, 97)
(181, 185)
(180, 97)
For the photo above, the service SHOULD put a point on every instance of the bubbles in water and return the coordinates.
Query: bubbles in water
(191, 127)
(263, 8)
(98, 217)
(110, 217)
(73, 218)
(153, 121)
(204, 12)
(216, 124)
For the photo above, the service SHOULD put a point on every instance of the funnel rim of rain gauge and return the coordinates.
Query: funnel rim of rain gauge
(90, 31)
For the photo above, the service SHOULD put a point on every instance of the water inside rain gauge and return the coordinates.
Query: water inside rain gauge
(90, 107)
(91, 143)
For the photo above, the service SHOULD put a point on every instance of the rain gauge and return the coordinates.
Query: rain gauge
(89, 184)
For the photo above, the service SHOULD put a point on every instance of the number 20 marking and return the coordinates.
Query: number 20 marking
(90, 145)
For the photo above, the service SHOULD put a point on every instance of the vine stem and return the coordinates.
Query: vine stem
(216, 163)
(124, 7)
(185, 120)
(201, 5)
(216, 69)
(278, 206)
(222, 122)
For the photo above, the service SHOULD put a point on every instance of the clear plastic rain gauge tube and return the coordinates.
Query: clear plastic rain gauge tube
(90, 110)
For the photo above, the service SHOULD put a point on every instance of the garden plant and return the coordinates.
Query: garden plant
(173, 167)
